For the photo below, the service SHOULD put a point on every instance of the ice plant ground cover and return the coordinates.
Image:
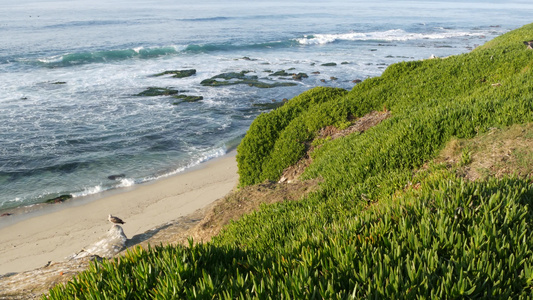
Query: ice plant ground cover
(385, 222)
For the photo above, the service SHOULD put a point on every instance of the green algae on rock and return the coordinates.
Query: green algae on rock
(281, 73)
(59, 199)
(187, 98)
(177, 73)
(158, 91)
(265, 85)
(233, 78)
(295, 76)
(299, 76)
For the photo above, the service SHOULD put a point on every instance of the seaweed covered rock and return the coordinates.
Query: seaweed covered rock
(177, 73)
(295, 76)
(265, 85)
(158, 91)
(116, 177)
(299, 76)
(187, 98)
(233, 78)
(281, 73)
(59, 199)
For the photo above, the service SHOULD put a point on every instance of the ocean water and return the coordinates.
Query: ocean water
(70, 72)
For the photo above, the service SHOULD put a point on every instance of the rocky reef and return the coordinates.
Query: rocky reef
(187, 98)
(158, 91)
(233, 78)
(177, 73)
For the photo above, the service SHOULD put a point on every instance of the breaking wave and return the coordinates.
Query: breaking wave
(388, 35)
(72, 59)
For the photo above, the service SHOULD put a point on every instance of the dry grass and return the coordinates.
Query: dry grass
(497, 153)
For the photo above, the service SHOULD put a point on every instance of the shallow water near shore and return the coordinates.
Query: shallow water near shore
(70, 73)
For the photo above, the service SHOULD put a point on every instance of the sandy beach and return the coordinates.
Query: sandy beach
(32, 242)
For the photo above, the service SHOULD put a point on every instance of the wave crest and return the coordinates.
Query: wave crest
(73, 59)
(388, 35)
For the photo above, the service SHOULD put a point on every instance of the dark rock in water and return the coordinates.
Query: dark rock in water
(315, 73)
(233, 78)
(332, 64)
(333, 78)
(265, 85)
(299, 76)
(116, 177)
(59, 82)
(59, 199)
(323, 80)
(186, 98)
(281, 73)
(248, 58)
(294, 76)
(356, 81)
(229, 78)
(157, 91)
(214, 82)
(234, 75)
(177, 73)
(345, 63)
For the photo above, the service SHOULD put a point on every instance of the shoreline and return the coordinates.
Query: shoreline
(57, 231)
(13, 215)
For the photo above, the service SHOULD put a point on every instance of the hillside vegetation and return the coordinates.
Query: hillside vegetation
(388, 220)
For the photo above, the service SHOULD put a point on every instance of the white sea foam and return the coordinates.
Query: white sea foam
(51, 60)
(389, 35)
(89, 191)
(192, 163)
(126, 182)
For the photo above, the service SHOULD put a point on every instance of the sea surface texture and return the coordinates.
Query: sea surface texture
(77, 116)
